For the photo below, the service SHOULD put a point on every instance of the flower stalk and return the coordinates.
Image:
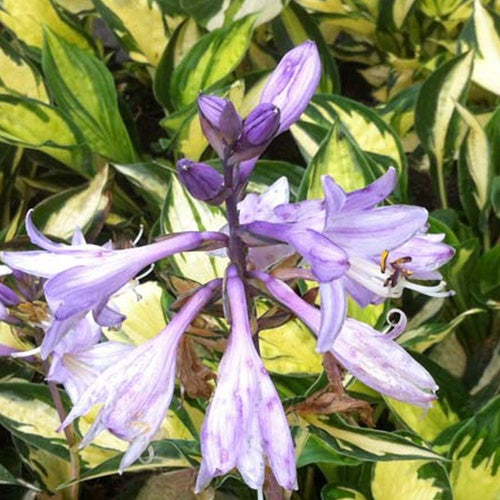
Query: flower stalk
(71, 439)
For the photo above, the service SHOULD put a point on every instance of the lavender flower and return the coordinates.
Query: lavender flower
(245, 421)
(136, 391)
(364, 243)
(79, 357)
(83, 277)
(371, 356)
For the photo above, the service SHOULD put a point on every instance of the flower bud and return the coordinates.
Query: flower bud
(202, 181)
(259, 128)
(220, 122)
(293, 82)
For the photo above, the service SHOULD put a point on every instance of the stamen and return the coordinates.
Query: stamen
(383, 261)
(25, 354)
(139, 235)
(432, 291)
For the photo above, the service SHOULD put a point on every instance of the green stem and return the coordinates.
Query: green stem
(71, 439)
(441, 186)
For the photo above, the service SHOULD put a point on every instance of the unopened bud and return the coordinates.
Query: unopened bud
(259, 128)
(202, 181)
(220, 122)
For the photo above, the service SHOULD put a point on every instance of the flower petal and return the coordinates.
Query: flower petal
(293, 82)
(372, 232)
(374, 193)
(333, 313)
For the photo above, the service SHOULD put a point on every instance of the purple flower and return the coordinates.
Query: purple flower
(137, 390)
(82, 277)
(373, 357)
(375, 250)
(78, 357)
(245, 421)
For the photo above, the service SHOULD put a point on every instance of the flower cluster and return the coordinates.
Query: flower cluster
(347, 244)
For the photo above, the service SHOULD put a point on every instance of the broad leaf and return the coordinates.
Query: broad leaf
(180, 213)
(476, 455)
(212, 59)
(411, 479)
(33, 124)
(367, 444)
(436, 117)
(18, 76)
(83, 86)
(140, 24)
(60, 214)
(28, 18)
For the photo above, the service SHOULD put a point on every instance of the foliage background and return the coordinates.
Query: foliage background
(97, 102)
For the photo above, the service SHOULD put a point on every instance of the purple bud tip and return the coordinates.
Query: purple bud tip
(220, 115)
(261, 124)
(201, 180)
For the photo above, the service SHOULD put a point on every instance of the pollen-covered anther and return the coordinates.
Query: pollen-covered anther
(399, 270)
(31, 312)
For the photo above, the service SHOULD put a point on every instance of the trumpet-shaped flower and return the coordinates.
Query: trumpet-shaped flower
(245, 421)
(79, 357)
(373, 357)
(82, 277)
(137, 390)
(374, 250)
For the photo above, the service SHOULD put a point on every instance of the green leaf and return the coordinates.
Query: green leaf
(26, 411)
(145, 313)
(294, 26)
(316, 450)
(28, 18)
(340, 157)
(411, 479)
(475, 169)
(83, 86)
(150, 180)
(367, 444)
(50, 470)
(60, 214)
(421, 338)
(436, 120)
(370, 133)
(495, 196)
(140, 25)
(211, 60)
(33, 124)
(180, 213)
(476, 455)
(165, 453)
(334, 492)
(483, 35)
(487, 272)
(18, 76)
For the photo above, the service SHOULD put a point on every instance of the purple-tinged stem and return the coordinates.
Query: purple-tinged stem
(236, 249)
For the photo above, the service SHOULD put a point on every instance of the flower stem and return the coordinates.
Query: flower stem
(236, 248)
(71, 439)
